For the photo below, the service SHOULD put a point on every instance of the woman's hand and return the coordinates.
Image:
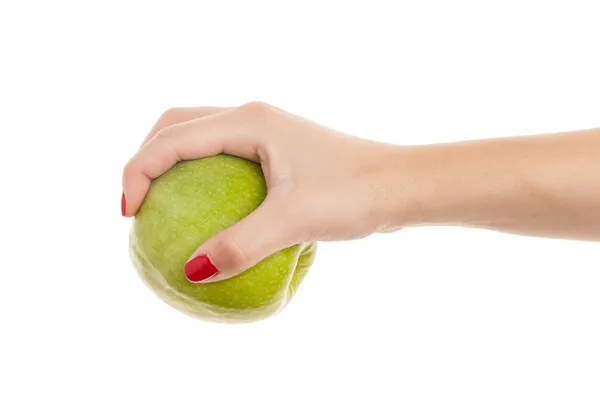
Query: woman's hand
(325, 185)
(322, 184)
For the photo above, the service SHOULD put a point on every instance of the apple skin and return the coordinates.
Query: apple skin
(189, 204)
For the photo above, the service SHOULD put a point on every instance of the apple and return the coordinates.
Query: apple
(187, 205)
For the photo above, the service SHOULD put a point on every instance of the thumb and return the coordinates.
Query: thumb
(264, 232)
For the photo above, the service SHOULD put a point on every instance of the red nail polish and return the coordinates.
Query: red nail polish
(123, 204)
(199, 269)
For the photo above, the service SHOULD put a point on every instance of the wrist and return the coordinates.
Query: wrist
(442, 184)
(398, 188)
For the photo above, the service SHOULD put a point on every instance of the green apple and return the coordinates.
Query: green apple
(189, 204)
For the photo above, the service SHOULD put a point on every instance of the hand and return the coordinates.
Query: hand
(322, 184)
(325, 185)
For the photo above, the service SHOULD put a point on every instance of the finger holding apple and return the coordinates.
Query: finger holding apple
(229, 204)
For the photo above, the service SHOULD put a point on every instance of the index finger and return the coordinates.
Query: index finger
(226, 132)
(178, 115)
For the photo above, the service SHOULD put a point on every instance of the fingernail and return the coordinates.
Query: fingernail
(123, 204)
(199, 269)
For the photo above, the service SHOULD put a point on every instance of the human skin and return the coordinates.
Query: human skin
(324, 185)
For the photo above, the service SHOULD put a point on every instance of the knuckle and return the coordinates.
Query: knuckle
(178, 115)
(256, 110)
(168, 131)
(230, 254)
(169, 115)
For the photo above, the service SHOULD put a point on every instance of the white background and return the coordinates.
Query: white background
(428, 313)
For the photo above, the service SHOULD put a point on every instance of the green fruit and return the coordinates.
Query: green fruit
(189, 204)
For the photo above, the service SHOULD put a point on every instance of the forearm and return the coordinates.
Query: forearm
(542, 185)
